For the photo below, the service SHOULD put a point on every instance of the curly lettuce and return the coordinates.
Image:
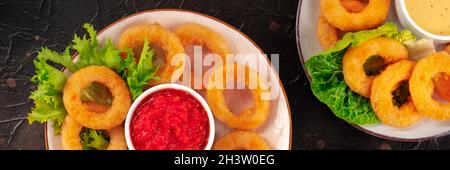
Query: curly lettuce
(91, 53)
(64, 59)
(328, 83)
(48, 95)
(91, 139)
(139, 74)
(50, 81)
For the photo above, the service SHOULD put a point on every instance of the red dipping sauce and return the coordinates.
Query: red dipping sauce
(169, 119)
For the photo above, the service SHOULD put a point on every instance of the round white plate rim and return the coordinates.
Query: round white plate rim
(282, 98)
(366, 129)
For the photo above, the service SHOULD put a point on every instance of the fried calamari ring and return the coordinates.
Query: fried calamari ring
(134, 37)
(422, 86)
(372, 16)
(249, 118)
(105, 76)
(117, 138)
(327, 34)
(355, 57)
(241, 140)
(70, 136)
(382, 99)
(196, 34)
(190, 34)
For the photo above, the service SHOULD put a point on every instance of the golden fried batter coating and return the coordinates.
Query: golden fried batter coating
(355, 76)
(115, 115)
(249, 118)
(196, 34)
(373, 15)
(241, 140)
(382, 98)
(422, 86)
(327, 35)
(70, 136)
(134, 37)
(190, 34)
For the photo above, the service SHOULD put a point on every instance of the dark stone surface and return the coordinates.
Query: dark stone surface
(26, 25)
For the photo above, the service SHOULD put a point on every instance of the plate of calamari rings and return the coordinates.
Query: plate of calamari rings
(160, 80)
(378, 65)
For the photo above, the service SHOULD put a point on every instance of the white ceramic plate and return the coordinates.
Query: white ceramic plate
(308, 45)
(276, 131)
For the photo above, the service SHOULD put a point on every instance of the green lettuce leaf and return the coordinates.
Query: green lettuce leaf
(87, 48)
(111, 57)
(96, 93)
(50, 81)
(94, 139)
(388, 29)
(65, 59)
(48, 75)
(328, 83)
(90, 53)
(48, 95)
(404, 36)
(329, 87)
(138, 75)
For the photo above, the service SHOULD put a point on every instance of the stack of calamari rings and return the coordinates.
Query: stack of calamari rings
(79, 116)
(244, 123)
(401, 91)
(342, 16)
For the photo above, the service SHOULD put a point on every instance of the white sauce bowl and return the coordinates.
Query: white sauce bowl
(408, 23)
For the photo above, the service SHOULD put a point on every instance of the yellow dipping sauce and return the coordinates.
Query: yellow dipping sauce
(431, 15)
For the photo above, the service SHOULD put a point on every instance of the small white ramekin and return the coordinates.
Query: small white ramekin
(408, 23)
(169, 86)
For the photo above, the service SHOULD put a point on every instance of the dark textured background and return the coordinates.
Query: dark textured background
(26, 25)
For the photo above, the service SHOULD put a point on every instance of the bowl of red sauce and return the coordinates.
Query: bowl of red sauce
(169, 117)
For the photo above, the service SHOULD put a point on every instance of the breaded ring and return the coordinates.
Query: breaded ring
(134, 37)
(249, 118)
(70, 136)
(117, 138)
(422, 86)
(327, 35)
(354, 74)
(372, 16)
(241, 140)
(381, 96)
(198, 34)
(116, 85)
